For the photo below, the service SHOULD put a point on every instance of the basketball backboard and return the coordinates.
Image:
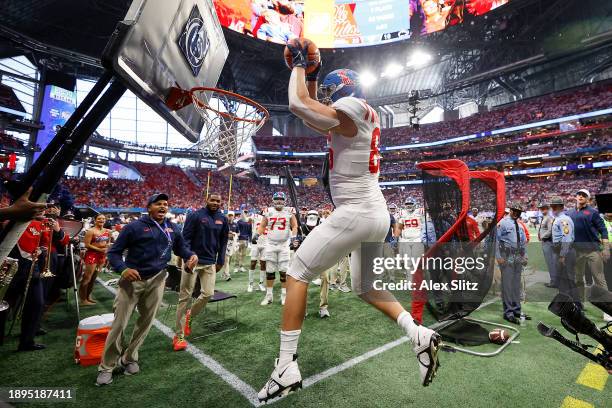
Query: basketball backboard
(161, 44)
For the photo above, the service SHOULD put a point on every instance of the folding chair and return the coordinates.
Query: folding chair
(220, 299)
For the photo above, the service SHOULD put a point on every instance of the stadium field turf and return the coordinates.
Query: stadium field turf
(535, 372)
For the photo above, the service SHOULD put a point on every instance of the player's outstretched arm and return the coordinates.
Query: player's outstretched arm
(262, 226)
(397, 229)
(312, 92)
(294, 225)
(318, 116)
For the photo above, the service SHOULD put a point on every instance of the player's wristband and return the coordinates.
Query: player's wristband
(123, 271)
(314, 75)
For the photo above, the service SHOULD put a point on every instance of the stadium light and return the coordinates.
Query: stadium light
(419, 59)
(366, 78)
(392, 70)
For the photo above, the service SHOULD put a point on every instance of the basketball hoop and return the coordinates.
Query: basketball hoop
(229, 119)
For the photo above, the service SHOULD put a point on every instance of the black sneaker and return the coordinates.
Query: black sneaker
(512, 319)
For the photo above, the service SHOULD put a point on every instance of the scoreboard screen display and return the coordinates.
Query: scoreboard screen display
(350, 23)
(347, 23)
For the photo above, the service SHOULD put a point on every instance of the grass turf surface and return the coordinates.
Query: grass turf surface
(536, 372)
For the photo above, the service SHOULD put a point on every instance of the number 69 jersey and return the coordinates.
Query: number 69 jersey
(354, 162)
(279, 225)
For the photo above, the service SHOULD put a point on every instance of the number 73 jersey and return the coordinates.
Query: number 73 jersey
(354, 162)
(279, 224)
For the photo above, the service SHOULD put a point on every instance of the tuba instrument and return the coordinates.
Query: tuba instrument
(8, 269)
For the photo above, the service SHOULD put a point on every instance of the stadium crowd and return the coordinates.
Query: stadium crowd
(9, 142)
(575, 101)
(504, 151)
(249, 193)
(186, 186)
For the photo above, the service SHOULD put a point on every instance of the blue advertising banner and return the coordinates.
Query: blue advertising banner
(58, 105)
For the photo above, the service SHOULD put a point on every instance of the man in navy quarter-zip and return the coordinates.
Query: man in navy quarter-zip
(149, 242)
(590, 243)
(245, 230)
(206, 232)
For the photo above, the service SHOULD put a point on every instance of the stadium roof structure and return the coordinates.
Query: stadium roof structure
(523, 49)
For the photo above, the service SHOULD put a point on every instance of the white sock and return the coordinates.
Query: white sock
(283, 291)
(262, 274)
(251, 273)
(288, 346)
(269, 291)
(406, 322)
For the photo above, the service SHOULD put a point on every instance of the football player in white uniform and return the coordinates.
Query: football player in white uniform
(257, 252)
(361, 216)
(410, 222)
(282, 229)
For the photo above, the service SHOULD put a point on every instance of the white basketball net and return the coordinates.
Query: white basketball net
(228, 122)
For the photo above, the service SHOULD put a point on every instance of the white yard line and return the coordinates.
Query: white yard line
(352, 362)
(249, 392)
(207, 361)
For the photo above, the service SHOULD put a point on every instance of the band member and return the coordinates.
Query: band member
(27, 282)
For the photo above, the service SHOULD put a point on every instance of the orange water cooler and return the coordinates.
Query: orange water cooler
(90, 339)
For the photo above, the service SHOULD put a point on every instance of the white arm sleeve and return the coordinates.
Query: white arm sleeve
(300, 109)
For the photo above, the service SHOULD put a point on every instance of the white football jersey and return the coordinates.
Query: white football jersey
(279, 224)
(412, 224)
(256, 219)
(354, 162)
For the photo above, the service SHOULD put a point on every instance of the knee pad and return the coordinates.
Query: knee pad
(270, 275)
(283, 276)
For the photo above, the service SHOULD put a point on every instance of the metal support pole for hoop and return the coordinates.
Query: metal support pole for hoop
(44, 176)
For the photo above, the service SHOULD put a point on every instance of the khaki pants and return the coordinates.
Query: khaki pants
(325, 289)
(241, 253)
(340, 273)
(207, 274)
(227, 266)
(594, 261)
(147, 295)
